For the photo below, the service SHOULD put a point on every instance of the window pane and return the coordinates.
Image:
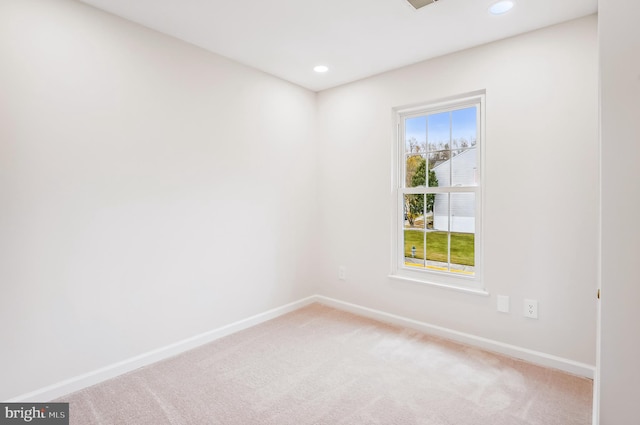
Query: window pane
(415, 171)
(463, 128)
(438, 235)
(441, 212)
(429, 203)
(415, 134)
(462, 253)
(438, 131)
(440, 167)
(463, 223)
(414, 248)
(464, 168)
(414, 211)
(463, 208)
(437, 250)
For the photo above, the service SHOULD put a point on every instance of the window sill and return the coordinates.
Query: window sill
(474, 291)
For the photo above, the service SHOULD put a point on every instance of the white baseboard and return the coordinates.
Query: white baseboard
(95, 377)
(532, 356)
(77, 383)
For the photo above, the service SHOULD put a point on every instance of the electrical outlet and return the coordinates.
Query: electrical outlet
(531, 309)
(503, 303)
(342, 273)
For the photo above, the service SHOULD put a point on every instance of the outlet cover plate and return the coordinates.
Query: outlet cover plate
(342, 273)
(531, 309)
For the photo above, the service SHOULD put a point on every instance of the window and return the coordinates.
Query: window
(438, 182)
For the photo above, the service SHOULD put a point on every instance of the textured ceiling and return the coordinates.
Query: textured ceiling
(354, 38)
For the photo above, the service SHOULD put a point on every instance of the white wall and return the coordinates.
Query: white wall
(153, 191)
(150, 191)
(541, 162)
(619, 38)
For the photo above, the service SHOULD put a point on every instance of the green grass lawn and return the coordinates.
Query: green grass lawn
(462, 246)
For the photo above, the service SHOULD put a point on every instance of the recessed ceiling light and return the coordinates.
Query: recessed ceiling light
(321, 68)
(501, 7)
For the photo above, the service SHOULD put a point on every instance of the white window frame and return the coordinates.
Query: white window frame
(457, 281)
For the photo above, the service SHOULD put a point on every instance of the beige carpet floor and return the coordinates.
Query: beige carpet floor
(319, 365)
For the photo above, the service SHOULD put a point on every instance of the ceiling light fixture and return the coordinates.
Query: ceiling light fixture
(501, 7)
(320, 68)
